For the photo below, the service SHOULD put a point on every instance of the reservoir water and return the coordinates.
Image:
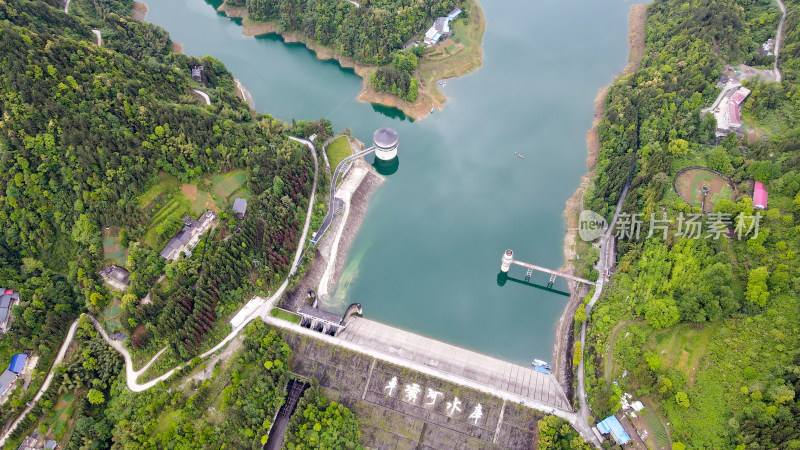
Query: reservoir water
(428, 253)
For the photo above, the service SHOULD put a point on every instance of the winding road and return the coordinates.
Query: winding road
(131, 375)
(263, 305)
(778, 76)
(332, 207)
(59, 358)
(99, 36)
(204, 95)
(582, 422)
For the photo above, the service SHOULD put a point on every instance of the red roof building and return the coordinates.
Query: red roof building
(760, 196)
(733, 115)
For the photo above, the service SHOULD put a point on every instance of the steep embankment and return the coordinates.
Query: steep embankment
(563, 340)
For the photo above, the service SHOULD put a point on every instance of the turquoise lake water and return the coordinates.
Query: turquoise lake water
(428, 254)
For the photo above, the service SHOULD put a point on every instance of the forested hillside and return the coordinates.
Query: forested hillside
(369, 33)
(97, 138)
(87, 129)
(703, 328)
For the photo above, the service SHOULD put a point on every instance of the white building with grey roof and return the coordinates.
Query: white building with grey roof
(189, 236)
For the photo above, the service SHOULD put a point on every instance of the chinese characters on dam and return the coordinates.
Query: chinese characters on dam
(454, 407)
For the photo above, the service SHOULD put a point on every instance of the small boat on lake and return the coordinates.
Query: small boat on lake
(519, 155)
(541, 366)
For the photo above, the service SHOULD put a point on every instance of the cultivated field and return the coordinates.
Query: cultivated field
(167, 201)
(111, 248)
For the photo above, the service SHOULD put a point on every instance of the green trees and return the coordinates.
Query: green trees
(757, 291)
(233, 407)
(738, 293)
(369, 34)
(556, 433)
(399, 78)
(95, 397)
(318, 423)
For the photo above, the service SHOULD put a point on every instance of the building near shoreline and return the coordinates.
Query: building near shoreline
(440, 28)
(189, 236)
(386, 141)
(197, 73)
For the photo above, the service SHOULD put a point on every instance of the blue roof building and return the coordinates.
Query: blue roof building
(611, 425)
(18, 363)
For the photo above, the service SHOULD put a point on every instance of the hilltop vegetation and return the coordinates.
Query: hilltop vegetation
(379, 33)
(734, 383)
(95, 137)
(369, 33)
(87, 130)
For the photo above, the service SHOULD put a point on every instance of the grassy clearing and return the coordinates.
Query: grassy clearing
(112, 314)
(658, 433)
(163, 186)
(149, 196)
(682, 347)
(285, 315)
(338, 150)
(225, 185)
(163, 219)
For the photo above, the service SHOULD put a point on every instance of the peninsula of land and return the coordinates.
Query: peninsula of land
(453, 56)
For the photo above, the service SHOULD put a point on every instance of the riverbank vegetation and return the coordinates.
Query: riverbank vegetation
(377, 39)
(732, 383)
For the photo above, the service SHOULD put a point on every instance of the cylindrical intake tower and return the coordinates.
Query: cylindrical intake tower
(508, 258)
(385, 141)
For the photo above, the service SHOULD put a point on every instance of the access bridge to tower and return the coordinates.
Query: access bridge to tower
(508, 260)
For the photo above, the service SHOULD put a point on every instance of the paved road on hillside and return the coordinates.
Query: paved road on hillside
(261, 303)
(59, 357)
(204, 95)
(583, 412)
(778, 40)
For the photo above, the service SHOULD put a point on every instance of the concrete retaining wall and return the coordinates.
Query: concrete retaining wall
(390, 420)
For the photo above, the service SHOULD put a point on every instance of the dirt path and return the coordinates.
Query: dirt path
(609, 358)
(99, 37)
(204, 95)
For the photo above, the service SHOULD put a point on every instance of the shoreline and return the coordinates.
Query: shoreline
(563, 340)
(332, 250)
(429, 96)
(139, 11)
